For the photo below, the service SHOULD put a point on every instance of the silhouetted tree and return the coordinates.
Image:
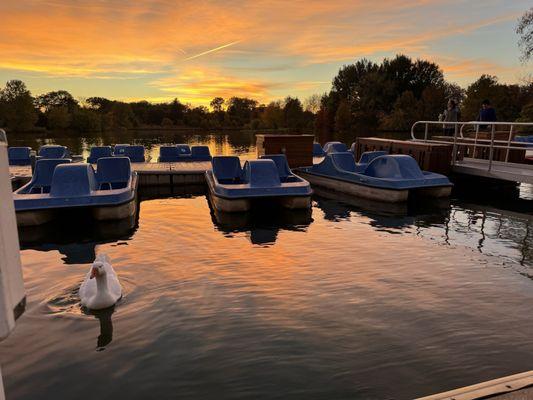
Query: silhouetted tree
(240, 110)
(17, 111)
(293, 112)
(60, 98)
(217, 103)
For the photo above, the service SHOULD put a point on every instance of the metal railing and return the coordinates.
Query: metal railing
(491, 143)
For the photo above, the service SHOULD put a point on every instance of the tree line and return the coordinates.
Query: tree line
(59, 110)
(388, 96)
(399, 91)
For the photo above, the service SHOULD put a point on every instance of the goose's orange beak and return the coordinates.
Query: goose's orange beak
(93, 273)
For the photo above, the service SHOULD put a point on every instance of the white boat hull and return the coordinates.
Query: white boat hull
(354, 189)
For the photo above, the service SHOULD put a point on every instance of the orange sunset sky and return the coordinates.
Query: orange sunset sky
(196, 50)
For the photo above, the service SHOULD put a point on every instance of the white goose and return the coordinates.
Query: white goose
(104, 290)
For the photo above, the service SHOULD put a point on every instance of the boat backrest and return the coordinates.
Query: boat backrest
(168, 154)
(73, 180)
(227, 168)
(53, 151)
(396, 166)
(18, 155)
(183, 150)
(318, 151)
(200, 153)
(344, 161)
(368, 156)
(99, 152)
(281, 163)
(353, 148)
(113, 173)
(261, 173)
(335, 147)
(135, 153)
(120, 149)
(43, 173)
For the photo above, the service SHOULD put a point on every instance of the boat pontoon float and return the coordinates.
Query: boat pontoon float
(57, 185)
(377, 176)
(234, 189)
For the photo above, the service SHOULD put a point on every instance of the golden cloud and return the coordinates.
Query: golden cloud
(188, 47)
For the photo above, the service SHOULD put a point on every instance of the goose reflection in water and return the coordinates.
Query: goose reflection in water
(106, 326)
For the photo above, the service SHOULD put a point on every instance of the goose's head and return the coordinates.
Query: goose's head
(97, 270)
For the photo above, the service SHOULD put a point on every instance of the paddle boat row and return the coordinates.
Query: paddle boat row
(377, 176)
(233, 188)
(134, 152)
(183, 153)
(110, 193)
(22, 155)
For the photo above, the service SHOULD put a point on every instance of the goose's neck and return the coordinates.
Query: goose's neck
(101, 284)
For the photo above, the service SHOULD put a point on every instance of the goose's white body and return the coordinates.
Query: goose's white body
(100, 288)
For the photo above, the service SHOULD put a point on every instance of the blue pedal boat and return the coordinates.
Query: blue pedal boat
(183, 152)
(53, 151)
(19, 155)
(377, 176)
(57, 185)
(134, 152)
(234, 189)
(98, 152)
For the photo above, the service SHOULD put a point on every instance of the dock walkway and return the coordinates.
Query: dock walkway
(150, 174)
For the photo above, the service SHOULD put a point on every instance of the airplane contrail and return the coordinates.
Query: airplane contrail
(212, 50)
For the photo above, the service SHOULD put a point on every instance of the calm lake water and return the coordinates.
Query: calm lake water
(346, 301)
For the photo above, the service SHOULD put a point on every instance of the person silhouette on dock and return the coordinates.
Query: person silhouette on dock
(486, 114)
(451, 114)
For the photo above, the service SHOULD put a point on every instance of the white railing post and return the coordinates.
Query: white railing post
(426, 132)
(454, 148)
(491, 149)
(509, 143)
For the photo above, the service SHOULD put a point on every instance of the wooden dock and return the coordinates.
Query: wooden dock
(150, 174)
(514, 387)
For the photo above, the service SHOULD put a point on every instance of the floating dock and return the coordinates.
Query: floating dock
(150, 174)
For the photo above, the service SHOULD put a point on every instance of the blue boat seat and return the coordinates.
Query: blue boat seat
(396, 166)
(120, 149)
(42, 176)
(368, 156)
(113, 173)
(285, 173)
(318, 151)
(19, 155)
(184, 151)
(344, 161)
(73, 180)
(261, 173)
(135, 153)
(227, 169)
(53, 151)
(200, 153)
(98, 152)
(335, 147)
(168, 154)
